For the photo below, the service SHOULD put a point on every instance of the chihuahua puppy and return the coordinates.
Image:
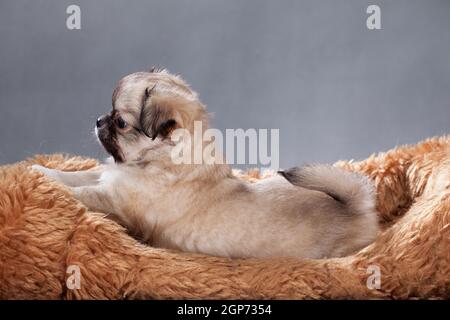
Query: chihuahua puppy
(310, 212)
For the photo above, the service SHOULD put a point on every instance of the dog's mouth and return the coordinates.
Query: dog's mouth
(107, 137)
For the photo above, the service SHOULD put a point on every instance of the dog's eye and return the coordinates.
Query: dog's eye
(121, 123)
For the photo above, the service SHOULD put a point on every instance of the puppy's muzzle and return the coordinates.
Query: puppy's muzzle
(102, 121)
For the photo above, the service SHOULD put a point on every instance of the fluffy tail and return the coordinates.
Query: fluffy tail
(351, 189)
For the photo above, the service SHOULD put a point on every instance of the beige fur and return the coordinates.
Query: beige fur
(203, 208)
(43, 230)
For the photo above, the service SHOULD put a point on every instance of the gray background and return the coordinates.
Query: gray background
(310, 68)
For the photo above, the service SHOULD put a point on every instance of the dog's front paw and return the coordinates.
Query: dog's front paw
(51, 173)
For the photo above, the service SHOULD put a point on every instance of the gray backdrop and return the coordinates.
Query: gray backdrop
(310, 68)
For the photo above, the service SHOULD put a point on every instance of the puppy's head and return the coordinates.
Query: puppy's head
(147, 107)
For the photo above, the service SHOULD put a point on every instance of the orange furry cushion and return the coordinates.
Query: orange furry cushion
(43, 230)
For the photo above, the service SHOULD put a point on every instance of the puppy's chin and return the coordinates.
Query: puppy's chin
(108, 141)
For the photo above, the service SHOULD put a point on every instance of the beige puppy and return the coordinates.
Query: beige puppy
(310, 212)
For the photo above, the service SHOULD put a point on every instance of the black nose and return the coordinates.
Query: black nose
(100, 121)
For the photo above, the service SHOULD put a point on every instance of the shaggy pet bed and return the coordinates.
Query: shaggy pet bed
(43, 230)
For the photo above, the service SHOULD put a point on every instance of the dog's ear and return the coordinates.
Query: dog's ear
(157, 121)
